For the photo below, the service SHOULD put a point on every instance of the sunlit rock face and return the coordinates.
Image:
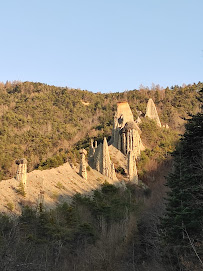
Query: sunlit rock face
(124, 112)
(126, 133)
(151, 112)
(125, 138)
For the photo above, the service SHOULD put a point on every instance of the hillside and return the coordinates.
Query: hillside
(61, 220)
(57, 180)
(56, 186)
(38, 121)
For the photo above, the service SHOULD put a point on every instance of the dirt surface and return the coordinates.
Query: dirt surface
(56, 185)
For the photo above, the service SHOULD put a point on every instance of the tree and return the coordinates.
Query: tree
(183, 221)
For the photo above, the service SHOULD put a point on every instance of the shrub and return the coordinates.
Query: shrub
(120, 170)
(55, 195)
(10, 206)
(21, 189)
(88, 168)
(53, 162)
(60, 186)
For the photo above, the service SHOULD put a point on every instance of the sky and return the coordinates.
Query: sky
(102, 45)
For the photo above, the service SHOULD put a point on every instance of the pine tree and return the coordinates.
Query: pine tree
(183, 222)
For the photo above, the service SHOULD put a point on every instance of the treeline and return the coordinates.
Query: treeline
(37, 121)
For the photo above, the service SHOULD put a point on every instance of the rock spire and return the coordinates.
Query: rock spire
(99, 159)
(21, 174)
(83, 171)
(132, 169)
(151, 112)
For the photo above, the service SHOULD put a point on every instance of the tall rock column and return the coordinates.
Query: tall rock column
(132, 169)
(106, 167)
(102, 161)
(92, 149)
(130, 139)
(21, 174)
(83, 171)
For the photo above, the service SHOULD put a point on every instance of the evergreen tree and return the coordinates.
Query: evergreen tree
(183, 221)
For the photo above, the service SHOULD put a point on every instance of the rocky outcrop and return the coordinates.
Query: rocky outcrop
(93, 147)
(126, 133)
(21, 174)
(132, 169)
(99, 159)
(83, 170)
(151, 112)
(122, 115)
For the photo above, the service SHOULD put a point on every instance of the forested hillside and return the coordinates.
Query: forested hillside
(38, 121)
(117, 228)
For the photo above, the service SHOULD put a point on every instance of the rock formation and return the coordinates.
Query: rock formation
(126, 133)
(125, 138)
(99, 159)
(132, 169)
(21, 174)
(93, 147)
(151, 112)
(130, 138)
(83, 171)
(122, 115)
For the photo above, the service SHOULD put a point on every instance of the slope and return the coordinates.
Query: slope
(57, 185)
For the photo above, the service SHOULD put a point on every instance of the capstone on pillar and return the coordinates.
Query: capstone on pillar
(126, 133)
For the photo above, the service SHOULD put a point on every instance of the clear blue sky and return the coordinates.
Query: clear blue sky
(102, 45)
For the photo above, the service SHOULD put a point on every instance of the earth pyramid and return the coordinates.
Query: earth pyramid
(21, 174)
(99, 159)
(151, 112)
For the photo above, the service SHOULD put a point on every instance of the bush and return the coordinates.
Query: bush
(53, 162)
(120, 170)
(60, 186)
(21, 189)
(88, 168)
(10, 206)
